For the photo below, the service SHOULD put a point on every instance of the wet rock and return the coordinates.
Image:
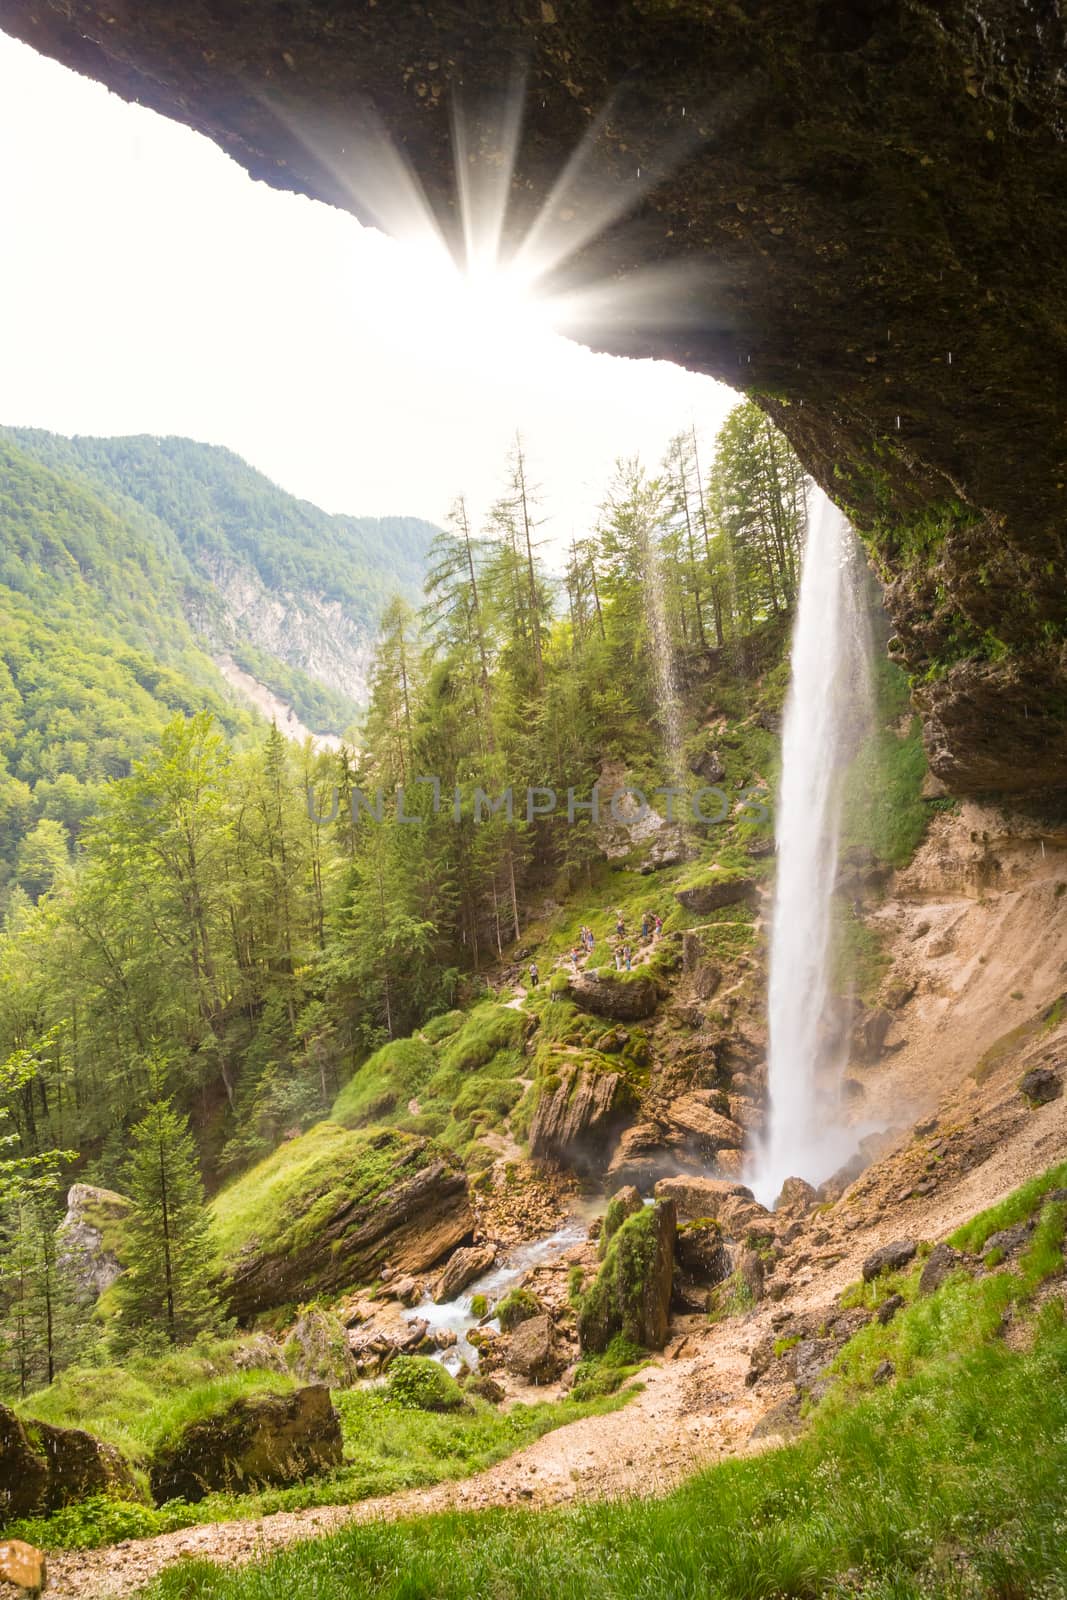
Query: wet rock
(408, 1290)
(701, 1197)
(43, 1468)
(717, 891)
(263, 1439)
(695, 1115)
(941, 1261)
(576, 1117)
(89, 1240)
(869, 1035)
(640, 1155)
(753, 1273)
(632, 1291)
(532, 1350)
(702, 1253)
(889, 1258)
(796, 1195)
(461, 1268)
(1041, 1085)
(445, 1338)
(23, 1565)
(622, 996)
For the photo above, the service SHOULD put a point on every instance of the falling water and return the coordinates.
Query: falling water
(828, 708)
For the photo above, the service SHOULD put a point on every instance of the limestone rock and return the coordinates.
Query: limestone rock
(1041, 1085)
(461, 1268)
(869, 1035)
(796, 1195)
(265, 1439)
(575, 1119)
(941, 1261)
(641, 1154)
(23, 1565)
(43, 1468)
(622, 996)
(632, 1291)
(890, 1258)
(709, 765)
(88, 1240)
(750, 1267)
(725, 890)
(532, 1351)
(889, 1308)
(318, 1351)
(702, 1254)
(701, 1197)
(782, 1421)
(694, 1114)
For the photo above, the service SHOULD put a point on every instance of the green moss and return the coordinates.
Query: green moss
(487, 1029)
(518, 1305)
(615, 1301)
(387, 1081)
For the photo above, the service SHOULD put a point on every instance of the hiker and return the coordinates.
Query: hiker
(534, 974)
(627, 955)
(645, 926)
(618, 959)
(659, 926)
(620, 926)
(575, 953)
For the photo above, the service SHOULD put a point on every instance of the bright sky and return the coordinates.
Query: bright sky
(148, 285)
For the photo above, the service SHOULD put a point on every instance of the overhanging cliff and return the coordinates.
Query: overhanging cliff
(868, 198)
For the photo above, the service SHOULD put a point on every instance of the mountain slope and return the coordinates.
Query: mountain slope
(273, 582)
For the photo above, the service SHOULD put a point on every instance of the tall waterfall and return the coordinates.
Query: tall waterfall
(828, 707)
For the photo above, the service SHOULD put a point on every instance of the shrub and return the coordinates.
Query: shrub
(422, 1385)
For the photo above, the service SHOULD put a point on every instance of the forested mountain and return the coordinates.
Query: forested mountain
(136, 577)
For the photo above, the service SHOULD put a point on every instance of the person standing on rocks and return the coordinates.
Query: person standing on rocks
(534, 975)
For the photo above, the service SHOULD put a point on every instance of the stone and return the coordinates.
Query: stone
(416, 1220)
(695, 1115)
(1008, 1240)
(939, 1264)
(729, 1164)
(622, 996)
(889, 1258)
(883, 1372)
(632, 1291)
(869, 1035)
(889, 1308)
(318, 1351)
(445, 1338)
(700, 1197)
(461, 1268)
(575, 1120)
(89, 1240)
(408, 1290)
(43, 1468)
(796, 1195)
(750, 1267)
(640, 1155)
(781, 1421)
(23, 1565)
(1041, 1085)
(532, 1352)
(485, 1387)
(702, 1254)
(724, 890)
(262, 1439)
(810, 1360)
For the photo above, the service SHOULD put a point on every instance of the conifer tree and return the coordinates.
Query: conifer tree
(166, 1289)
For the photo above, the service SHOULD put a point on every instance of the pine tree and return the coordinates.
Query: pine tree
(166, 1289)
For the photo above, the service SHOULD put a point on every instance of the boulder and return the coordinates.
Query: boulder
(695, 1115)
(532, 1352)
(869, 1034)
(89, 1240)
(702, 1254)
(889, 1258)
(43, 1468)
(576, 1117)
(888, 1309)
(461, 1268)
(701, 1197)
(810, 1360)
(642, 1152)
(22, 1565)
(318, 1351)
(709, 765)
(632, 1291)
(263, 1439)
(625, 1202)
(366, 1199)
(1009, 1240)
(781, 1421)
(718, 891)
(1040, 1085)
(622, 996)
(796, 1195)
(941, 1261)
(729, 1164)
(752, 1272)
(883, 1372)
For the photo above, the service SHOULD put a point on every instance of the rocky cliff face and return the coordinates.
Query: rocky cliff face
(860, 201)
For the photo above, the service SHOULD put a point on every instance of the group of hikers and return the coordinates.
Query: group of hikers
(623, 952)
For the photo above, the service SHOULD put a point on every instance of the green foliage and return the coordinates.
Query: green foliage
(613, 1304)
(166, 1290)
(392, 1076)
(422, 1384)
(860, 959)
(602, 1374)
(517, 1306)
(1016, 1207)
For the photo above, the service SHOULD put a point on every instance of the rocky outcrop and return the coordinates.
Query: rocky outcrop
(702, 1254)
(532, 1351)
(461, 1268)
(265, 1439)
(43, 1468)
(698, 1116)
(577, 1112)
(722, 889)
(622, 996)
(632, 1291)
(701, 1197)
(938, 1266)
(89, 1240)
(365, 1199)
(317, 1349)
(796, 1195)
(905, 332)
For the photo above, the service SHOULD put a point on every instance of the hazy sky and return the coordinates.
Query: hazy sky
(147, 285)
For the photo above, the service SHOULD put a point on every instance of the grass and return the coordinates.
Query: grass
(1017, 1207)
(949, 1483)
(389, 1444)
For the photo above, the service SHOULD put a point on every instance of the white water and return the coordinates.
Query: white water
(829, 703)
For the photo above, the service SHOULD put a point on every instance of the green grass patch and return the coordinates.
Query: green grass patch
(1016, 1207)
(388, 1080)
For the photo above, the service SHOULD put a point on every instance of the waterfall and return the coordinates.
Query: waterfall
(829, 706)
